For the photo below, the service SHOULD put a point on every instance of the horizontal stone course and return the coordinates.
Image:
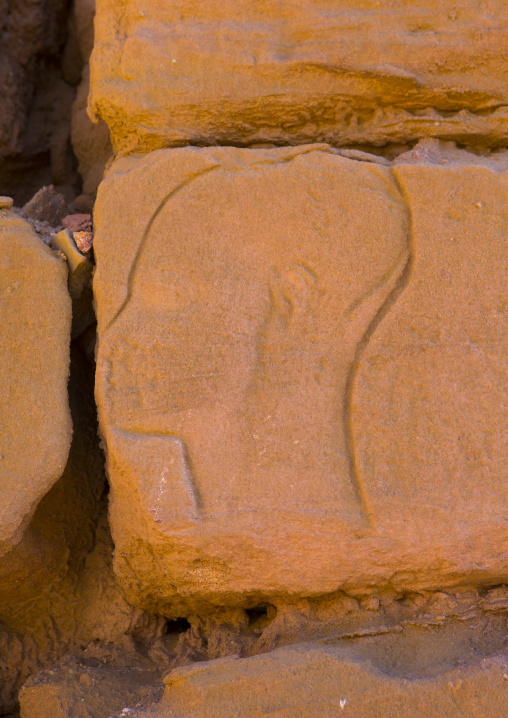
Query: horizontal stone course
(354, 73)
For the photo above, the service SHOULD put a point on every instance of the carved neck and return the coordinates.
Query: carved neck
(295, 426)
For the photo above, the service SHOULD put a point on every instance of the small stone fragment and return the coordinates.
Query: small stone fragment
(84, 241)
(6, 202)
(82, 688)
(78, 222)
(47, 205)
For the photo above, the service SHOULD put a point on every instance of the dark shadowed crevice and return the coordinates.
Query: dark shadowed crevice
(177, 626)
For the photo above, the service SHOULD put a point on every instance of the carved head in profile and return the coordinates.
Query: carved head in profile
(252, 296)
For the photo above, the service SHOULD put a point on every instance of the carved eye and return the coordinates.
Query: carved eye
(294, 286)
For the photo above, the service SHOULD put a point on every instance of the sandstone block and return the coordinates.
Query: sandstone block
(35, 423)
(308, 680)
(434, 372)
(169, 74)
(300, 378)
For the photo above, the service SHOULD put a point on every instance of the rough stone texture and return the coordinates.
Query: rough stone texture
(88, 689)
(91, 144)
(405, 640)
(35, 422)
(292, 72)
(78, 222)
(300, 373)
(304, 681)
(83, 15)
(84, 241)
(6, 202)
(47, 205)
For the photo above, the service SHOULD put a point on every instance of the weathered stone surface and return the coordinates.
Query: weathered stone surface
(90, 141)
(35, 423)
(80, 268)
(83, 14)
(78, 222)
(6, 202)
(47, 205)
(87, 689)
(413, 642)
(300, 373)
(308, 680)
(294, 72)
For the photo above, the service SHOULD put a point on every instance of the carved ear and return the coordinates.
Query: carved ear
(294, 291)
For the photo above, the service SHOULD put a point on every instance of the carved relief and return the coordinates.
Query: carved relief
(242, 327)
(432, 384)
(301, 383)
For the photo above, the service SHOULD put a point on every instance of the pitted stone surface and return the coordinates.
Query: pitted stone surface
(300, 357)
(290, 72)
(35, 423)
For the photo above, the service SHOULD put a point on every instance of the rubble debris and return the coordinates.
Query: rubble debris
(84, 241)
(80, 268)
(47, 205)
(80, 226)
(78, 222)
(6, 202)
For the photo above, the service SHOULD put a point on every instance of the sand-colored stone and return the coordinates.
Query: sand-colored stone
(35, 423)
(310, 680)
(349, 73)
(434, 373)
(6, 202)
(274, 423)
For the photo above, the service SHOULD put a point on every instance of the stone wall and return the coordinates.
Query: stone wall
(253, 411)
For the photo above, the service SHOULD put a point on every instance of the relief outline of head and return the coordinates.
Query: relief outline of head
(253, 293)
